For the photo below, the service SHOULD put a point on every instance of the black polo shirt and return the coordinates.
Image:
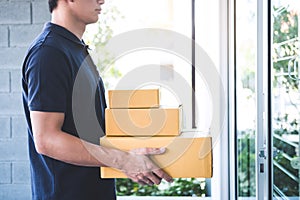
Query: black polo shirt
(48, 75)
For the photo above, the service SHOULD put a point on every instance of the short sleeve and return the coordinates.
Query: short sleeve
(48, 78)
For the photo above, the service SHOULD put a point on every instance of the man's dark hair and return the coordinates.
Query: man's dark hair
(52, 4)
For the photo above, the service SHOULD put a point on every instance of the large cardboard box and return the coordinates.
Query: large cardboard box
(187, 156)
(143, 98)
(143, 122)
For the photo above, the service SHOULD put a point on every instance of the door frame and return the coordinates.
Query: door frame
(263, 146)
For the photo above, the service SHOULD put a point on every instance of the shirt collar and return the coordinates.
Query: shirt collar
(64, 33)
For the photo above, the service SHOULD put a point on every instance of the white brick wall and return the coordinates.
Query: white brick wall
(20, 22)
(15, 12)
(3, 36)
(5, 177)
(15, 80)
(11, 57)
(4, 81)
(23, 35)
(40, 11)
(5, 128)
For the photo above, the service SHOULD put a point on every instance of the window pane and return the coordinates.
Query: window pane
(285, 98)
(246, 31)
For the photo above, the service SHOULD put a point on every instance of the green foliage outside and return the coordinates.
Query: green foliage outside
(180, 187)
(246, 163)
(286, 53)
(282, 151)
(283, 154)
(285, 44)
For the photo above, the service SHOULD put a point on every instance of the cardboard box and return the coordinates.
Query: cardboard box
(146, 98)
(186, 157)
(143, 122)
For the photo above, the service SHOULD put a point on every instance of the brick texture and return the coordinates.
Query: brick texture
(11, 104)
(19, 127)
(40, 12)
(11, 58)
(23, 35)
(5, 127)
(21, 173)
(15, 82)
(3, 36)
(15, 192)
(5, 168)
(20, 23)
(15, 13)
(13, 150)
(4, 81)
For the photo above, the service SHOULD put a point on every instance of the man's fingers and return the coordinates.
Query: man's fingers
(136, 179)
(144, 179)
(153, 178)
(161, 174)
(148, 151)
(148, 178)
(143, 170)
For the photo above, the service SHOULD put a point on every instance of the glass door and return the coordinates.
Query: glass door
(251, 77)
(245, 45)
(285, 98)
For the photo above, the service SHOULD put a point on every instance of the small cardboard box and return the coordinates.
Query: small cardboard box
(144, 98)
(185, 157)
(143, 122)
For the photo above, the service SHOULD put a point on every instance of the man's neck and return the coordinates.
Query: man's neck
(76, 27)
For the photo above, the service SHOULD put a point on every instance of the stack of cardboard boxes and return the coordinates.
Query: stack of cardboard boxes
(135, 119)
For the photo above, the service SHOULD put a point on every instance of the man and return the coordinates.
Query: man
(63, 165)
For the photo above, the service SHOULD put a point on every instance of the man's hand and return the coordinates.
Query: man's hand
(51, 141)
(141, 169)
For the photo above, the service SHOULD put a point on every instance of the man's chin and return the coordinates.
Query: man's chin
(92, 21)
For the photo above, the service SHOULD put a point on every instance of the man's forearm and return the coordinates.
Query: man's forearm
(73, 150)
(51, 141)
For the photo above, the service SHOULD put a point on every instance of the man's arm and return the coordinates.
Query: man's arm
(51, 141)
